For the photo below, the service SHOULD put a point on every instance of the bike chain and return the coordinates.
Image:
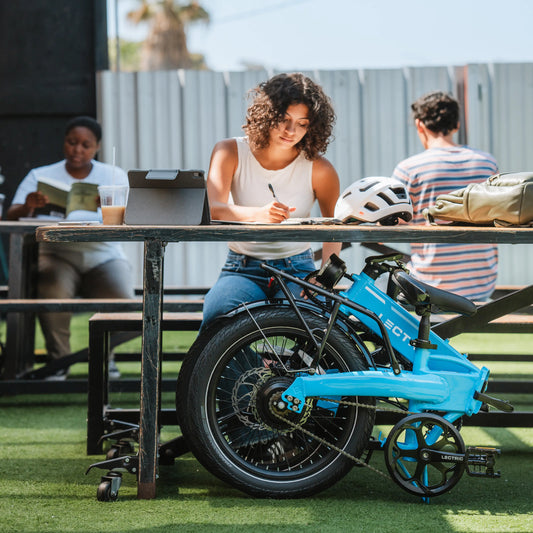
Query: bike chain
(332, 446)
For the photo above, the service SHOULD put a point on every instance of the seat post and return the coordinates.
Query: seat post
(424, 328)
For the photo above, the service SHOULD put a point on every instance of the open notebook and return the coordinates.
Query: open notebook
(289, 221)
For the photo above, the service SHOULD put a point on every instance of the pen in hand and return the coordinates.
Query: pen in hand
(273, 193)
(286, 215)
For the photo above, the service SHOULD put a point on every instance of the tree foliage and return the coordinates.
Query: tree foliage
(165, 47)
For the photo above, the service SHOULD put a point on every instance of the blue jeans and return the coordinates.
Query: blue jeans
(243, 280)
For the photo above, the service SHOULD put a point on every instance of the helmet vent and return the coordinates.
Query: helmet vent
(371, 207)
(368, 184)
(399, 192)
(385, 198)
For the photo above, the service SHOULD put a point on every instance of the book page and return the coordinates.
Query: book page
(56, 192)
(82, 196)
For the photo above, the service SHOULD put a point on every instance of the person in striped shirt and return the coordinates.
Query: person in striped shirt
(466, 269)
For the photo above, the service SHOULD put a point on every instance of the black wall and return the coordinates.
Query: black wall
(49, 54)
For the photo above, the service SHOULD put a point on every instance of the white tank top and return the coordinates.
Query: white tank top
(293, 186)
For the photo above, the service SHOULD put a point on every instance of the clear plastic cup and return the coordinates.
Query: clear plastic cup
(113, 200)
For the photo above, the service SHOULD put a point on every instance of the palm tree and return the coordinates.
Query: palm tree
(165, 48)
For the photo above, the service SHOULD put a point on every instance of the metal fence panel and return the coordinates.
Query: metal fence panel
(159, 112)
(512, 111)
(346, 150)
(238, 85)
(478, 108)
(204, 115)
(384, 121)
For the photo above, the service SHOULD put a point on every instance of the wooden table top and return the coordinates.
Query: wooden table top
(279, 232)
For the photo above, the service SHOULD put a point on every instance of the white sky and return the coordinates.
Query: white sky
(351, 34)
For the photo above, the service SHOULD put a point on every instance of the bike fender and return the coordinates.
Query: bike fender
(302, 304)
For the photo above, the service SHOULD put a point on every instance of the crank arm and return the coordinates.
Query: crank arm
(432, 456)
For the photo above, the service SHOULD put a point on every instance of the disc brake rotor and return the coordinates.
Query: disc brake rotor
(255, 397)
(244, 392)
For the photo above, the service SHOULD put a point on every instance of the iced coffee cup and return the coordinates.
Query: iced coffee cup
(113, 199)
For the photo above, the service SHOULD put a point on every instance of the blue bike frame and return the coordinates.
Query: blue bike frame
(441, 379)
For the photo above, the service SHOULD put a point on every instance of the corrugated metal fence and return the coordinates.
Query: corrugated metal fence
(172, 119)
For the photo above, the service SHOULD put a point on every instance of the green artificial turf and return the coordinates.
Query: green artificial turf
(44, 487)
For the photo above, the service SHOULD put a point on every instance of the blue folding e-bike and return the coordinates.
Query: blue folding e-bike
(279, 398)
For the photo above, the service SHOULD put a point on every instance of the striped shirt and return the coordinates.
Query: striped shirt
(466, 269)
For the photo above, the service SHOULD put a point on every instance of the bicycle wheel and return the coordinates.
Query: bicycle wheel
(233, 384)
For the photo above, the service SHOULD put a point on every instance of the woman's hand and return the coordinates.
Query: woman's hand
(36, 199)
(274, 212)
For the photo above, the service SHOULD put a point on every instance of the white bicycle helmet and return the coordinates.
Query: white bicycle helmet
(374, 199)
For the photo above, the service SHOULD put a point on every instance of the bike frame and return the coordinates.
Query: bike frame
(441, 379)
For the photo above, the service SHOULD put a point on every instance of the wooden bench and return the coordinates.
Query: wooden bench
(84, 305)
(101, 325)
(179, 299)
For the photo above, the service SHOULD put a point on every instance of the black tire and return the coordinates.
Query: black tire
(226, 396)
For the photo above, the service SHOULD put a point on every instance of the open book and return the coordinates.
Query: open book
(63, 199)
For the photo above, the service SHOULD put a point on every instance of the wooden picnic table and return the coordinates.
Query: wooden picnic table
(155, 239)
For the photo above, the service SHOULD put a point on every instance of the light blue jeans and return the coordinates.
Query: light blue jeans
(243, 280)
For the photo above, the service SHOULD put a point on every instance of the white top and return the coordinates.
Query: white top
(293, 186)
(83, 255)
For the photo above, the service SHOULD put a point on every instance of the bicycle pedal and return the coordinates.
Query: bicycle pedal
(480, 461)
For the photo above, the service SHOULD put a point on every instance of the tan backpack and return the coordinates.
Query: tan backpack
(502, 200)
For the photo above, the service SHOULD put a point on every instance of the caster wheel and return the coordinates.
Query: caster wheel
(425, 454)
(119, 449)
(112, 453)
(108, 489)
(103, 494)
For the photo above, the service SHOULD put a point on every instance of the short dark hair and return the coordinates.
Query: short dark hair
(270, 102)
(85, 122)
(438, 111)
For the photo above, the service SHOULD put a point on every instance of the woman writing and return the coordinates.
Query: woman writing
(275, 172)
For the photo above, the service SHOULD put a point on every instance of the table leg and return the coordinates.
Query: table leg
(20, 327)
(97, 385)
(150, 368)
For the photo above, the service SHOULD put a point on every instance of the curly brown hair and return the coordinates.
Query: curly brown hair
(270, 102)
(438, 111)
